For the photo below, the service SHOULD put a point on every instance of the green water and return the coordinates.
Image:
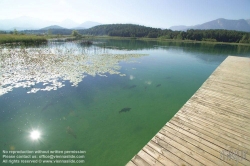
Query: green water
(155, 87)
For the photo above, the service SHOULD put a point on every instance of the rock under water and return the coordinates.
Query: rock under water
(125, 109)
(158, 85)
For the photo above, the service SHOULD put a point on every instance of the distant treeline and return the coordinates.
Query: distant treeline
(131, 30)
(138, 31)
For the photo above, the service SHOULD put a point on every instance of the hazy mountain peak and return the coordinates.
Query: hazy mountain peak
(179, 27)
(88, 24)
(248, 21)
(68, 23)
(31, 23)
(52, 27)
(220, 23)
(24, 22)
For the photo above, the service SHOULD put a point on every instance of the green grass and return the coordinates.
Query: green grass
(34, 39)
(24, 39)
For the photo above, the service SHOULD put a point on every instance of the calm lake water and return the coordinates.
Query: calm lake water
(74, 94)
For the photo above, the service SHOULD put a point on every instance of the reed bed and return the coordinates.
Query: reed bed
(23, 39)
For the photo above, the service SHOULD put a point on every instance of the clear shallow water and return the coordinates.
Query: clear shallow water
(154, 79)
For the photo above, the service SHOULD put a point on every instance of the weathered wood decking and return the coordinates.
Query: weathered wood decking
(212, 128)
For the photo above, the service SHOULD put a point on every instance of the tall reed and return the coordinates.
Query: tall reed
(24, 39)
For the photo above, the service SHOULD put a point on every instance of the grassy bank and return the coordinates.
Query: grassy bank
(24, 39)
(34, 39)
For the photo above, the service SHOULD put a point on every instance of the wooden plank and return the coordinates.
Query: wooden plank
(220, 114)
(203, 145)
(241, 93)
(210, 134)
(170, 147)
(219, 146)
(227, 130)
(190, 152)
(235, 100)
(158, 156)
(130, 163)
(223, 135)
(220, 102)
(239, 118)
(212, 116)
(222, 145)
(166, 153)
(214, 120)
(229, 81)
(149, 159)
(139, 161)
(219, 130)
(196, 149)
(190, 133)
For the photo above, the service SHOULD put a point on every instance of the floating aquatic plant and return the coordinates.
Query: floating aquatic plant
(26, 67)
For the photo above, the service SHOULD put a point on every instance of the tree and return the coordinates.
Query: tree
(245, 39)
(75, 33)
(180, 36)
(15, 32)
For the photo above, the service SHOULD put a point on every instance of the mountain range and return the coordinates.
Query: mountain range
(221, 23)
(30, 23)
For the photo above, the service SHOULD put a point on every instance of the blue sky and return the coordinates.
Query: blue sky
(154, 13)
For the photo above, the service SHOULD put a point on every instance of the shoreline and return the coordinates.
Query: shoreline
(12, 39)
(167, 40)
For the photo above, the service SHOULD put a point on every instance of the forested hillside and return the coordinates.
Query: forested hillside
(131, 30)
(124, 30)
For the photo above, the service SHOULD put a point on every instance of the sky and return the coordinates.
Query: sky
(153, 13)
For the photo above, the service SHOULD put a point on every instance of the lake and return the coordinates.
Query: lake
(108, 99)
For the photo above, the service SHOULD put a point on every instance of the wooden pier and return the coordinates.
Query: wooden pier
(212, 128)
